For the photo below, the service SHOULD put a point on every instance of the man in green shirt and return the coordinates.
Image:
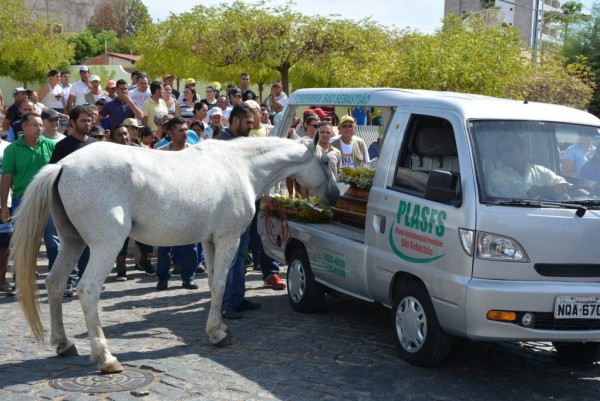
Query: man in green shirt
(22, 160)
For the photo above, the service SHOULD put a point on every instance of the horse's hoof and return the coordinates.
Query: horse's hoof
(71, 350)
(114, 367)
(226, 341)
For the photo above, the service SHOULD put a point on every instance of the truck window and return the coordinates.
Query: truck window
(534, 160)
(428, 145)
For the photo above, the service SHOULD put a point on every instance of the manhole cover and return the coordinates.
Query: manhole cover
(93, 381)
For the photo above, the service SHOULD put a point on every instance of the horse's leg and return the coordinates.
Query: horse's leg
(102, 258)
(55, 284)
(209, 260)
(224, 253)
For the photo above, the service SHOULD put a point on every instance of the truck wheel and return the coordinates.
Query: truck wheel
(419, 337)
(578, 352)
(305, 294)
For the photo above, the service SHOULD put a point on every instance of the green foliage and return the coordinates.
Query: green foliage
(296, 209)
(124, 17)
(30, 47)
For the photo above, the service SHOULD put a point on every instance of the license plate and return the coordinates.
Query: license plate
(567, 307)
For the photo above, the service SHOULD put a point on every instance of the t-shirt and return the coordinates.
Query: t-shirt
(138, 98)
(249, 95)
(23, 162)
(67, 146)
(3, 146)
(150, 108)
(78, 89)
(117, 112)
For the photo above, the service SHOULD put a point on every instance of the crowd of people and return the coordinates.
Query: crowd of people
(44, 127)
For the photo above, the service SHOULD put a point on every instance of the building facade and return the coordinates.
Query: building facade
(518, 13)
(73, 14)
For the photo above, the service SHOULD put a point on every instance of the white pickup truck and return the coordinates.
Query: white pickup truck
(471, 228)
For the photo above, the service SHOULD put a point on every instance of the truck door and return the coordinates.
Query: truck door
(416, 235)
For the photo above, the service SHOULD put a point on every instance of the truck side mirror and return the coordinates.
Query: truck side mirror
(441, 188)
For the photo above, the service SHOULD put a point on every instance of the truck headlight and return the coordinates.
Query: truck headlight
(498, 247)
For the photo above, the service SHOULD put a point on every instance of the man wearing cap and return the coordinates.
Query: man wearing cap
(13, 113)
(111, 89)
(79, 89)
(95, 92)
(259, 130)
(141, 92)
(153, 105)
(120, 108)
(235, 96)
(247, 93)
(215, 127)
(217, 87)
(50, 122)
(277, 99)
(133, 129)
(16, 129)
(354, 149)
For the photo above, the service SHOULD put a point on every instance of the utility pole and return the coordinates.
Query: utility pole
(536, 27)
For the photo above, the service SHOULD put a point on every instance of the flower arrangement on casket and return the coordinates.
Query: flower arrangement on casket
(357, 177)
(296, 209)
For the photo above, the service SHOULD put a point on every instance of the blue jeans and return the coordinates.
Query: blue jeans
(268, 265)
(178, 258)
(188, 266)
(235, 287)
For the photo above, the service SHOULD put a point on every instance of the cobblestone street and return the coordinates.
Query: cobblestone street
(346, 352)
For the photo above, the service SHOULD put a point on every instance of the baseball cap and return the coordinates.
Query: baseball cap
(49, 114)
(190, 81)
(94, 78)
(347, 118)
(19, 89)
(84, 68)
(131, 122)
(278, 83)
(235, 92)
(253, 104)
(319, 111)
(111, 84)
(216, 86)
(215, 111)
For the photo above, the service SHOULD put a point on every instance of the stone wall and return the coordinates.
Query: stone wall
(73, 14)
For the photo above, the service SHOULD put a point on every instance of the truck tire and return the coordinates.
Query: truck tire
(304, 293)
(578, 352)
(420, 339)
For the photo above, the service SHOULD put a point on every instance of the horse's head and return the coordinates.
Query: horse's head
(318, 176)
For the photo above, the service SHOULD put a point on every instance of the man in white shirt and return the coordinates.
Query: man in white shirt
(142, 92)
(79, 89)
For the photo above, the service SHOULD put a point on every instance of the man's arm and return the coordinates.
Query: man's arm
(70, 102)
(136, 111)
(5, 185)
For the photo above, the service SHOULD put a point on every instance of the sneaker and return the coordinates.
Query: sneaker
(229, 313)
(163, 284)
(121, 274)
(190, 285)
(275, 282)
(69, 291)
(247, 305)
(177, 269)
(201, 269)
(146, 266)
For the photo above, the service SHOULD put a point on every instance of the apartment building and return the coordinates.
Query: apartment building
(73, 14)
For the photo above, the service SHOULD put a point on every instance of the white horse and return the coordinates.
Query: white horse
(104, 193)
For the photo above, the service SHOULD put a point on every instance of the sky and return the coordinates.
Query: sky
(423, 15)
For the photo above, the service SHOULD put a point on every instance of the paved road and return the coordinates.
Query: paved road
(344, 353)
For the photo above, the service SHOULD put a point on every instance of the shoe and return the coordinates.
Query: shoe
(177, 269)
(201, 269)
(229, 313)
(146, 266)
(121, 274)
(190, 285)
(69, 291)
(275, 282)
(257, 268)
(247, 305)
(162, 285)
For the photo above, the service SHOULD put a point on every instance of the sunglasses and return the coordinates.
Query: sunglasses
(314, 125)
(346, 126)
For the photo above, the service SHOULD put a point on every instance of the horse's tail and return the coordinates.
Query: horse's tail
(30, 220)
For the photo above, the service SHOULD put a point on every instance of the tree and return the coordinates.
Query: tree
(124, 17)
(30, 47)
(570, 13)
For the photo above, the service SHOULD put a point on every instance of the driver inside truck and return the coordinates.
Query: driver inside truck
(516, 178)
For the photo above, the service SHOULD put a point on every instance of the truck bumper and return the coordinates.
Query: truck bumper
(521, 297)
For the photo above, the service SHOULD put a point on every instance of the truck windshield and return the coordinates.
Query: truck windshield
(534, 160)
